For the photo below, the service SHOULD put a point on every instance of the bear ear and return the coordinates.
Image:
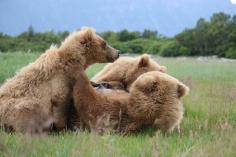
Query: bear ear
(87, 35)
(144, 60)
(163, 69)
(182, 90)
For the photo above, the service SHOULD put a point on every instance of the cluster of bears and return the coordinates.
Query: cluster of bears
(53, 93)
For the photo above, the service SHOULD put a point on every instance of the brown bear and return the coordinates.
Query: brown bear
(126, 69)
(27, 99)
(154, 99)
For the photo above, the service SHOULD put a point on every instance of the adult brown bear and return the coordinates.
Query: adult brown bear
(27, 99)
(154, 99)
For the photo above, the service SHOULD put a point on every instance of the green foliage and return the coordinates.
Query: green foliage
(125, 35)
(231, 53)
(109, 36)
(149, 34)
(138, 46)
(173, 49)
(31, 41)
(214, 37)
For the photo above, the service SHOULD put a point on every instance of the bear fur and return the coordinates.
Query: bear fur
(27, 100)
(125, 70)
(154, 100)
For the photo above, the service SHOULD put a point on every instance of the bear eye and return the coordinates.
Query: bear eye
(104, 44)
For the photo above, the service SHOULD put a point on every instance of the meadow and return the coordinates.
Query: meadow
(208, 127)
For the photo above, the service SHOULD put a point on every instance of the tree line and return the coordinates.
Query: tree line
(216, 36)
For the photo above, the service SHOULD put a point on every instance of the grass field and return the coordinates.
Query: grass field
(208, 127)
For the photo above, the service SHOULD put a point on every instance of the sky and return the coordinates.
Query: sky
(169, 17)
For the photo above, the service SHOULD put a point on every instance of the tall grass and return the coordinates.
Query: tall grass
(208, 127)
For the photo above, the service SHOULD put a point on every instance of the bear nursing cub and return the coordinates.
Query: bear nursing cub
(153, 99)
(27, 100)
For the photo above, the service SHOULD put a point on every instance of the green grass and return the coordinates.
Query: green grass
(208, 127)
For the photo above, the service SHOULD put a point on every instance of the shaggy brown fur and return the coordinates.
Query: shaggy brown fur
(125, 70)
(154, 99)
(27, 100)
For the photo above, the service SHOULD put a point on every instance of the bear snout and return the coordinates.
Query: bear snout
(117, 54)
(113, 55)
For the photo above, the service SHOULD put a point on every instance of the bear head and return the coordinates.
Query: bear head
(88, 47)
(156, 95)
(127, 69)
